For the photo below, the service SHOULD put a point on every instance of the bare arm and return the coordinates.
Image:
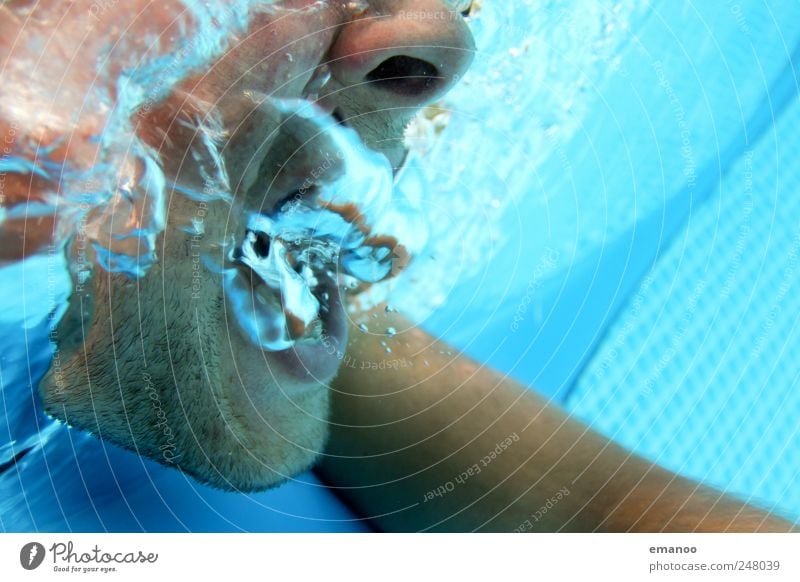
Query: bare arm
(424, 440)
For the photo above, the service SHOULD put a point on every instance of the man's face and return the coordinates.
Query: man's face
(164, 367)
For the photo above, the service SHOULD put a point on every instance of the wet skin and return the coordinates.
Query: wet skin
(159, 364)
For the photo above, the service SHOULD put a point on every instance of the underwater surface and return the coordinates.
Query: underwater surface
(604, 209)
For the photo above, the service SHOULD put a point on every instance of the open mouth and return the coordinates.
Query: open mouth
(285, 290)
(285, 278)
(285, 274)
(284, 307)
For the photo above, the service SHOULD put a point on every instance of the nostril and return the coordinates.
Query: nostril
(405, 75)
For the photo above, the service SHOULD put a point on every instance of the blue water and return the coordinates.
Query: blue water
(604, 130)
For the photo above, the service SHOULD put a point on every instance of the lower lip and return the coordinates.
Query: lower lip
(318, 359)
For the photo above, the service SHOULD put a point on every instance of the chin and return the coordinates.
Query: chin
(174, 379)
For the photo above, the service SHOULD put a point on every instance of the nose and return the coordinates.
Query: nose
(396, 57)
(403, 52)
